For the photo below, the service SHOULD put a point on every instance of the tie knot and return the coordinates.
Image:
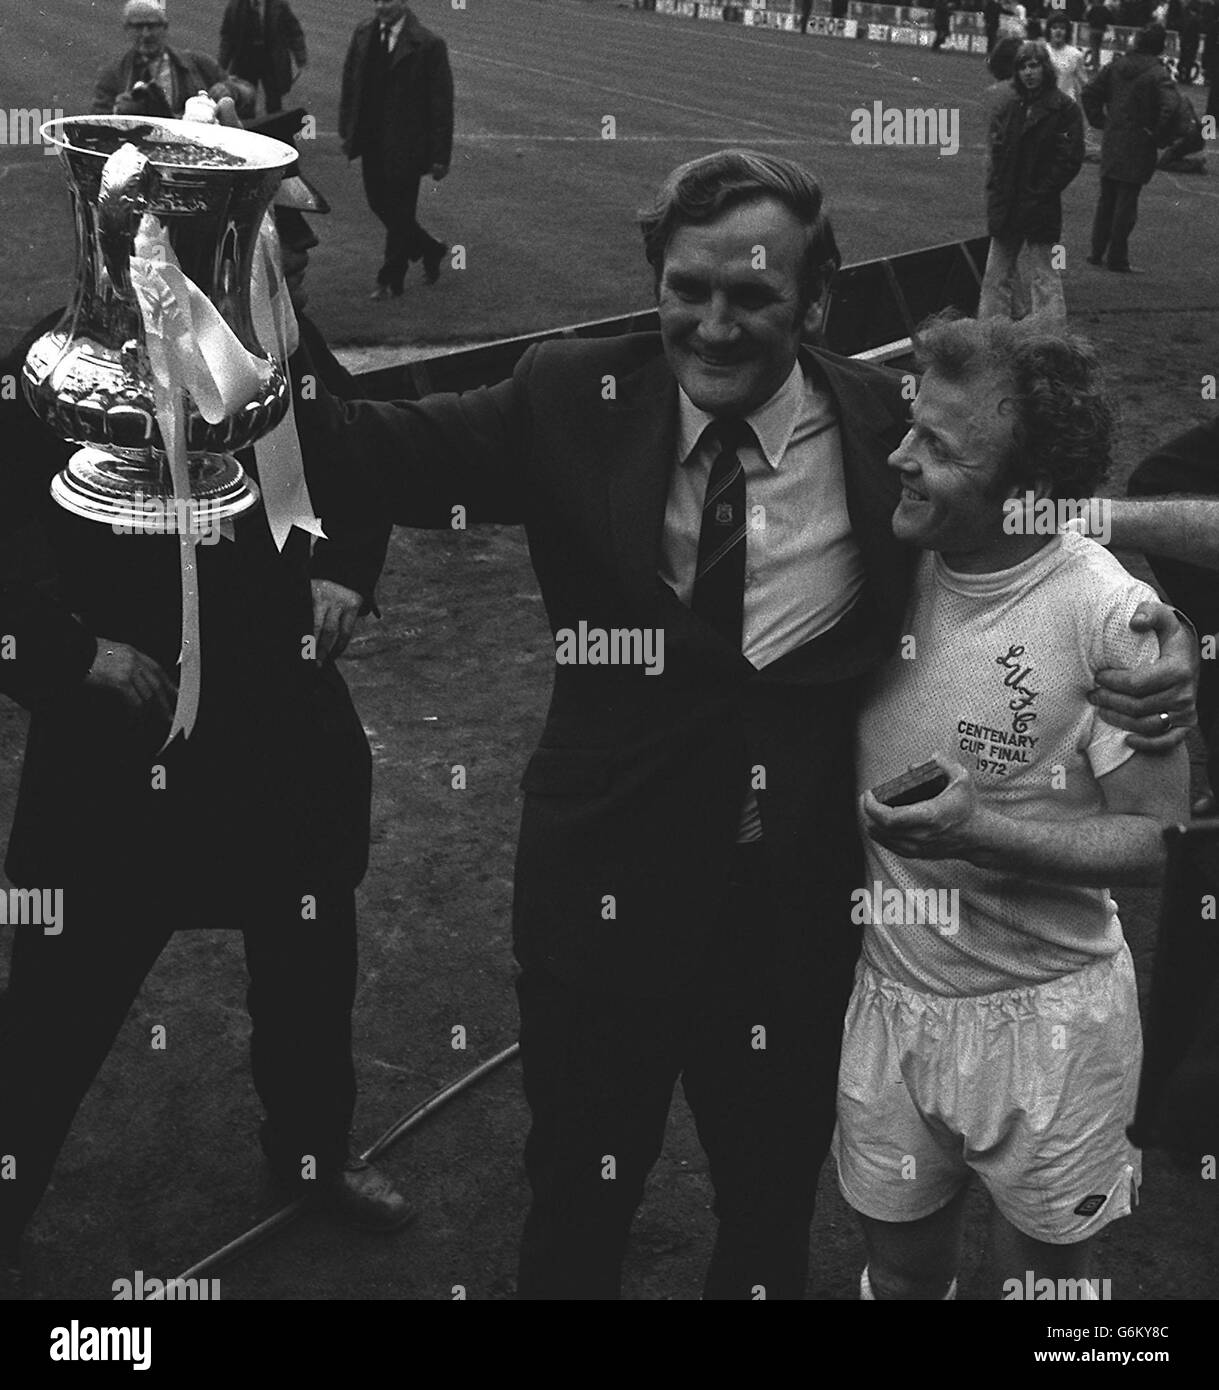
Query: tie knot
(729, 432)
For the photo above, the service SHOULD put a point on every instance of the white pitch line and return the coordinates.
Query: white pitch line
(618, 91)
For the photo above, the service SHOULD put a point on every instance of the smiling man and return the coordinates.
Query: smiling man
(687, 849)
(1008, 1048)
(152, 79)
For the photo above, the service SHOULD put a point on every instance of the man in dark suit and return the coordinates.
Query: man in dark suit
(260, 40)
(151, 79)
(259, 822)
(396, 117)
(708, 514)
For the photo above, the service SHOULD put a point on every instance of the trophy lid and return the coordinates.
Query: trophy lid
(168, 144)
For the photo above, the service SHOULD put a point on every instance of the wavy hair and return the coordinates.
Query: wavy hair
(705, 189)
(1063, 421)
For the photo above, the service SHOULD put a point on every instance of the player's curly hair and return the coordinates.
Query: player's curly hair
(704, 189)
(1063, 422)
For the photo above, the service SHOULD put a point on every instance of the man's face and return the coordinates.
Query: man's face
(729, 303)
(296, 240)
(951, 462)
(1031, 74)
(388, 11)
(147, 32)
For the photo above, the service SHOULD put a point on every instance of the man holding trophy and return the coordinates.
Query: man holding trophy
(259, 819)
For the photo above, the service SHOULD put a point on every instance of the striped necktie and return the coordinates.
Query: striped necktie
(719, 581)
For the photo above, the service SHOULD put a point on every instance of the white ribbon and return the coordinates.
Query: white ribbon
(281, 466)
(192, 349)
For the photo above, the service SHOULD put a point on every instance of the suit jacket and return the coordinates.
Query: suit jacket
(192, 73)
(274, 784)
(1133, 100)
(283, 39)
(416, 126)
(633, 798)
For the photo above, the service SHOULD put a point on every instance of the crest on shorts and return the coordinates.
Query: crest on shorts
(1091, 1205)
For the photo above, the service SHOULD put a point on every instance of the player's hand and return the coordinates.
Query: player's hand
(1137, 700)
(336, 609)
(128, 104)
(943, 828)
(140, 682)
(439, 171)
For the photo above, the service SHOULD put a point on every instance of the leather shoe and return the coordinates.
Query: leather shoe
(386, 292)
(432, 264)
(364, 1195)
(1095, 260)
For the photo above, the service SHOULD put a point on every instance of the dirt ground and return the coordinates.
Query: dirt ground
(162, 1165)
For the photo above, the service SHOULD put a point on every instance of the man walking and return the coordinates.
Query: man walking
(260, 40)
(396, 117)
(1133, 101)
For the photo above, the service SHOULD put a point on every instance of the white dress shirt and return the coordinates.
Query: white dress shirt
(803, 569)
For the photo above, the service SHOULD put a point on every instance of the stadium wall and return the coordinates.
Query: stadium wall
(898, 24)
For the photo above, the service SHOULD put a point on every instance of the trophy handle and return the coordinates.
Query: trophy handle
(129, 182)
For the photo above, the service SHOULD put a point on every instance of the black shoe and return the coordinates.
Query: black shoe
(432, 263)
(1095, 260)
(387, 292)
(1126, 269)
(365, 1196)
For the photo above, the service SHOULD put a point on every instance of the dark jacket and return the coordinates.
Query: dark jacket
(416, 122)
(1131, 100)
(275, 780)
(192, 73)
(1036, 149)
(268, 55)
(635, 791)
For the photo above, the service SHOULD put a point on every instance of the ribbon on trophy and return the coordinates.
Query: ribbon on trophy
(281, 467)
(191, 349)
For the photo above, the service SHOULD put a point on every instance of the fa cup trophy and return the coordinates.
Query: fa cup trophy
(161, 332)
(172, 355)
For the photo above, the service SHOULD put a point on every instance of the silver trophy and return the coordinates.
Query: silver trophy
(199, 194)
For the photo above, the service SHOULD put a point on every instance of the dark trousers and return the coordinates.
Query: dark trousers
(756, 1048)
(69, 994)
(1117, 210)
(257, 69)
(393, 200)
(806, 9)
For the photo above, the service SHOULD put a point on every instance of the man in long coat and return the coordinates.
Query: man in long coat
(260, 40)
(1133, 100)
(396, 117)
